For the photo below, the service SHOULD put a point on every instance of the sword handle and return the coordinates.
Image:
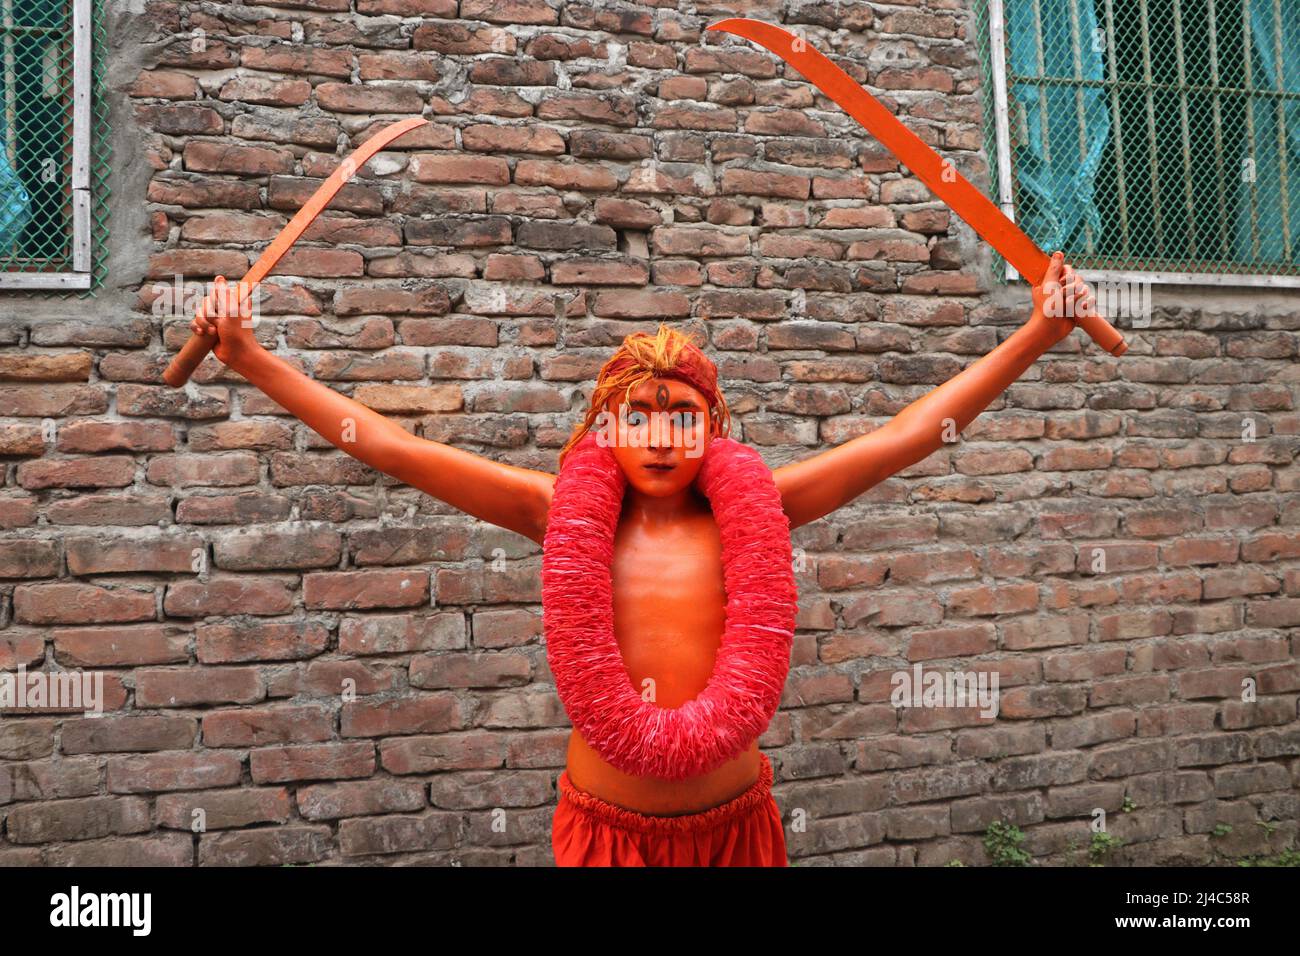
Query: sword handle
(1097, 328)
(188, 359)
(1103, 333)
(196, 349)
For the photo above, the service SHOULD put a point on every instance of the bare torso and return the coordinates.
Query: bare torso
(669, 613)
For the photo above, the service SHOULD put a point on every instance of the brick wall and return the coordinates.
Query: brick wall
(590, 169)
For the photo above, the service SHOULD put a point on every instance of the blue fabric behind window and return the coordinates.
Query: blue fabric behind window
(14, 200)
(1056, 173)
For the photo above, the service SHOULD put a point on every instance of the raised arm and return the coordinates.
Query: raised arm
(514, 498)
(818, 485)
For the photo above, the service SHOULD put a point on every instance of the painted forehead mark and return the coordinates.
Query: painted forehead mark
(661, 395)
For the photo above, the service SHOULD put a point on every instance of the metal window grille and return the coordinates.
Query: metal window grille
(1150, 140)
(53, 158)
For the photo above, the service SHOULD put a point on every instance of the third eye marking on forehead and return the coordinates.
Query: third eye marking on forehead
(661, 396)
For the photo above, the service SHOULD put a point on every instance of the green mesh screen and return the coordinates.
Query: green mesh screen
(100, 152)
(36, 139)
(1152, 135)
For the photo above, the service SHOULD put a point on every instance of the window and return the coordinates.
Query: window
(1152, 140)
(51, 174)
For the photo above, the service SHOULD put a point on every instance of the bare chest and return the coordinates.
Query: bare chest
(669, 606)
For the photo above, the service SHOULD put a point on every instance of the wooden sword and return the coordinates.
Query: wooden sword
(198, 346)
(909, 149)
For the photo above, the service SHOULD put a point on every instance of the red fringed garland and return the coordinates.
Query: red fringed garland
(750, 669)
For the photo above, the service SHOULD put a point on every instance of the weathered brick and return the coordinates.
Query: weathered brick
(171, 771)
(246, 160)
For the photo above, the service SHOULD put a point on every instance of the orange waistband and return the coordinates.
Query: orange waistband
(613, 815)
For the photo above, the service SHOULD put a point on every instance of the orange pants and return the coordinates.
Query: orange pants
(744, 831)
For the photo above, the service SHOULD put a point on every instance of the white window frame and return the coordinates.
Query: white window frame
(1006, 196)
(80, 276)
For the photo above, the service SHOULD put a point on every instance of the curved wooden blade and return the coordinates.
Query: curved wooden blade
(198, 346)
(940, 175)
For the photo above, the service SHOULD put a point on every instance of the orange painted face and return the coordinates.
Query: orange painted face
(659, 437)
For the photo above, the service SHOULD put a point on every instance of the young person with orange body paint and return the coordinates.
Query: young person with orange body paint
(668, 594)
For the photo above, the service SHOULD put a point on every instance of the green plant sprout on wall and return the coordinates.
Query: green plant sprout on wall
(1101, 846)
(1002, 844)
